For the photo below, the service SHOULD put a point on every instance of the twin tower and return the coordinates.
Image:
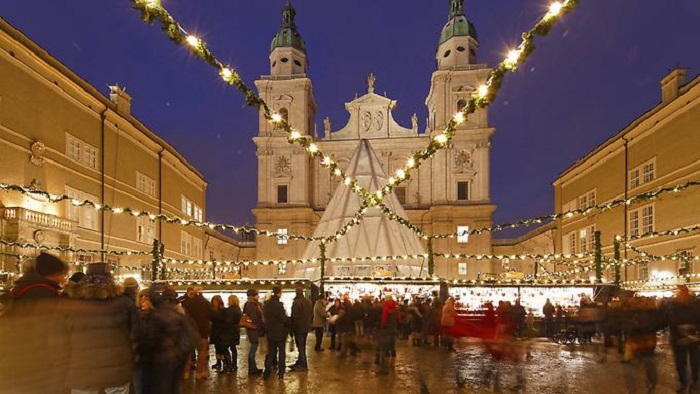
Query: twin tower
(447, 193)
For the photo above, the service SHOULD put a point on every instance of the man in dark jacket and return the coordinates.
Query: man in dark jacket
(277, 325)
(302, 318)
(30, 362)
(254, 312)
(199, 308)
(166, 339)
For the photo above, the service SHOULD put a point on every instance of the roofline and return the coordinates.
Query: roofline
(529, 235)
(45, 56)
(627, 129)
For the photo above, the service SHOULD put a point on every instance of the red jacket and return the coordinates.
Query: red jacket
(389, 307)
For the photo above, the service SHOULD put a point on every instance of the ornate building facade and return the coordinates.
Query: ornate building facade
(59, 134)
(447, 194)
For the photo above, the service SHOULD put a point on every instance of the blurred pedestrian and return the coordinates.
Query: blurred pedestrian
(302, 320)
(217, 327)
(448, 319)
(253, 311)
(30, 362)
(319, 321)
(277, 325)
(199, 309)
(100, 327)
(682, 315)
(548, 312)
(231, 334)
(167, 338)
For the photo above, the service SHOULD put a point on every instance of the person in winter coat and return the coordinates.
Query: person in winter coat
(416, 322)
(26, 328)
(167, 337)
(277, 326)
(253, 310)
(302, 319)
(319, 321)
(100, 327)
(334, 313)
(390, 325)
(217, 327)
(426, 328)
(230, 335)
(199, 308)
(548, 312)
(449, 316)
(346, 327)
(682, 315)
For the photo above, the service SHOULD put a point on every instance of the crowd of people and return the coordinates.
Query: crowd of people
(89, 334)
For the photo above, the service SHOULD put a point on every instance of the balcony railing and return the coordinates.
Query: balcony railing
(19, 215)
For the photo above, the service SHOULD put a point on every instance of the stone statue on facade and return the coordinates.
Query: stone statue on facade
(327, 125)
(370, 82)
(37, 155)
(414, 122)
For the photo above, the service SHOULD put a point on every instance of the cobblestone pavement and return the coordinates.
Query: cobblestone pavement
(553, 368)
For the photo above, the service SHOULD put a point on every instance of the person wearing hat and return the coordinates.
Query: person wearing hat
(302, 319)
(167, 338)
(100, 326)
(253, 310)
(277, 325)
(131, 288)
(44, 281)
(30, 362)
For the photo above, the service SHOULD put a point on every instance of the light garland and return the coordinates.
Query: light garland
(152, 10)
(519, 282)
(234, 282)
(646, 196)
(73, 250)
(674, 232)
(54, 198)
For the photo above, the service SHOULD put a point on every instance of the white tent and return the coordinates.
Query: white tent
(375, 236)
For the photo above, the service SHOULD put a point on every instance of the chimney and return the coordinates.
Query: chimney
(671, 85)
(118, 96)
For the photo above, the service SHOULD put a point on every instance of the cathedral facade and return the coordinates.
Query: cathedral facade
(447, 194)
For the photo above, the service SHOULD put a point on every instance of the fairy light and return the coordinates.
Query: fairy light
(276, 118)
(313, 148)
(401, 174)
(440, 139)
(326, 161)
(482, 91)
(193, 41)
(512, 59)
(554, 9)
(294, 135)
(226, 74)
(459, 118)
(410, 163)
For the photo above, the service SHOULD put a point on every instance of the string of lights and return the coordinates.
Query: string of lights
(73, 250)
(357, 218)
(152, 10)
(54, 198)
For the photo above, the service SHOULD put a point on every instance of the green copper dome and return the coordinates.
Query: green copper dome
(458, 25)
(288, 35)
